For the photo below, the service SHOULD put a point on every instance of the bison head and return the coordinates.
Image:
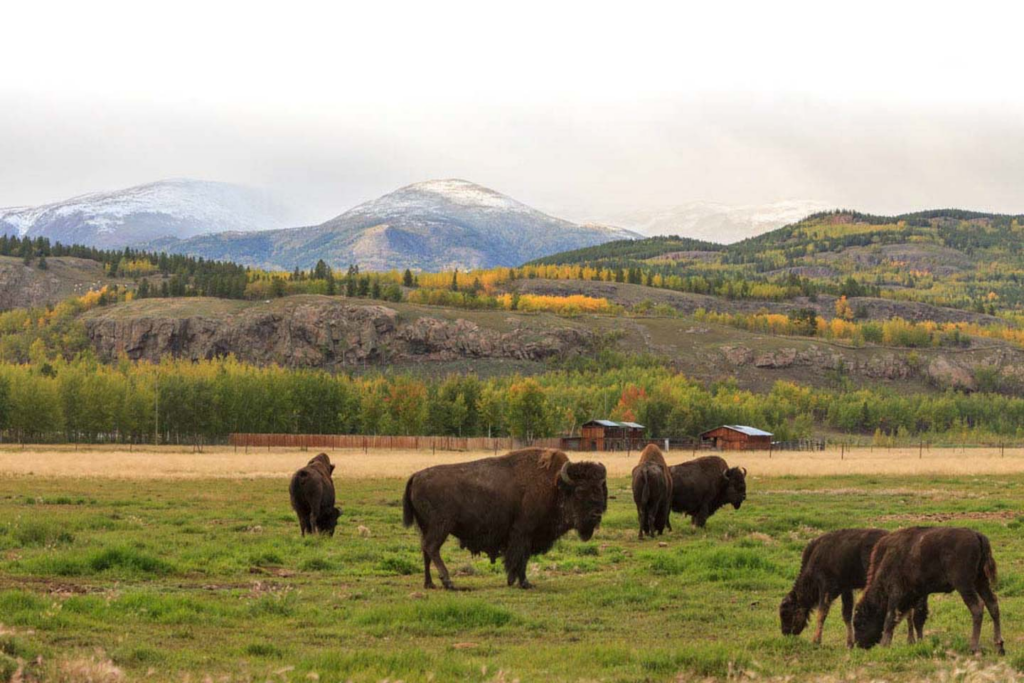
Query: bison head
(328, 521)
(735, 486)
(868, 622)
(584, 486)
(793, 615)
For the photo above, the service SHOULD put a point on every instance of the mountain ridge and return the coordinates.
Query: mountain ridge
(432, 225)
(178, 207)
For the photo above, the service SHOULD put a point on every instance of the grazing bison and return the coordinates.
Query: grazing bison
(652, 491)
(910, 564)
(312, 493)
(834, 565)
(701, 486)
(515, 505)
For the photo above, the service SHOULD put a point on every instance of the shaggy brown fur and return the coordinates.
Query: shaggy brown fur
(910, 564)
(312, 494)
(701, 486)
(515, 506)
(835, 564)
(652, 491)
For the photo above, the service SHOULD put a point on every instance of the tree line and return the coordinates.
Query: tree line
(180, 401)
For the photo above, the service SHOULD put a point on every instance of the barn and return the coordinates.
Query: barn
(737, 438)
(606, 435)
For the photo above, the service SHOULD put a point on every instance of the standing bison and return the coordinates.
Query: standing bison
(910, 564)
(701, 486)
(652, 491)
(835, 564)
(312, 493)
(515, 506)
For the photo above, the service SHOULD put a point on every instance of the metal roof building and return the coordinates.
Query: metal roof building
(737, 437)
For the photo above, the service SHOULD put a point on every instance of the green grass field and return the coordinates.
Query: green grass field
(164, 579)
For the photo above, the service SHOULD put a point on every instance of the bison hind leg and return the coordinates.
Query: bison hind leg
(431, 545)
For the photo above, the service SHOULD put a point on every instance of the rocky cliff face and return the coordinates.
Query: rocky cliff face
(324, 333)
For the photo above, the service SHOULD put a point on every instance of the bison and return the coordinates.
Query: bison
(652, 491)
(910, 564)
(516, 505)
(312, 494)
(835, 564)
(701, 486)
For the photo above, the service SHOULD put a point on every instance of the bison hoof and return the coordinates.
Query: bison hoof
(525, 585)
(1001, 650)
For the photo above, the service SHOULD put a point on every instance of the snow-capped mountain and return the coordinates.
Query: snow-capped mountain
(433, 225)
(168, 208)
(714, 222)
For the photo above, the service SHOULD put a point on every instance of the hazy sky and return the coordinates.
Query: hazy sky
(575, 107)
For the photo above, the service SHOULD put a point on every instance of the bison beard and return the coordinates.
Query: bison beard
(701, 486)
(909, 564)
(513, 506)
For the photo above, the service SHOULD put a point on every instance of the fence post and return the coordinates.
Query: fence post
(920, 451)
(842, 450)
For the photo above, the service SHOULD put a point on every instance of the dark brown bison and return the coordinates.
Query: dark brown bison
(836, 564)
(312, 493)
(516, 505)
(652, 491)
(701, 486)
(910, 564)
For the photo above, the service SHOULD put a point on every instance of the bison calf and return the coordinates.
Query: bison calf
(652, 491)
(701, 486)
(835, 564)
(910, 564)
(515, 506)
(312, 494)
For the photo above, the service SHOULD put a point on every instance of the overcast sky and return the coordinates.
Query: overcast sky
(577, 108)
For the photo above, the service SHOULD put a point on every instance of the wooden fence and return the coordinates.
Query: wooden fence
(338, 441)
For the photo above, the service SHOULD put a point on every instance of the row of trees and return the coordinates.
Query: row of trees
(185, 402)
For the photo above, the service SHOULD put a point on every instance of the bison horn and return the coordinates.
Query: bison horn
(744, 470)
(564, 474)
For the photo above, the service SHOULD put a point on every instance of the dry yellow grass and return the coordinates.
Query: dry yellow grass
(225, 462)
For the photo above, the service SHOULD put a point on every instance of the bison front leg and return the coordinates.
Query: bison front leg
(517, 555)
(701, 518)
(890, 623)
(824, 604)
(847, 597)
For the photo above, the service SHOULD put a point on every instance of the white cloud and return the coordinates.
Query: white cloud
(878, 104)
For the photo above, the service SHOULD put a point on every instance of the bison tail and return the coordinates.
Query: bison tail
(988, 563)
(408, 513)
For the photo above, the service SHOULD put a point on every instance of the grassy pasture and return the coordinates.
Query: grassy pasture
(204, 574)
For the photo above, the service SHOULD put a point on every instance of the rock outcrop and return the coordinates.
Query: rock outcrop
(324, 333)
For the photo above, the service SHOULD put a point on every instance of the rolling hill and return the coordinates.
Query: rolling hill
(433, 225)
(949, 258)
